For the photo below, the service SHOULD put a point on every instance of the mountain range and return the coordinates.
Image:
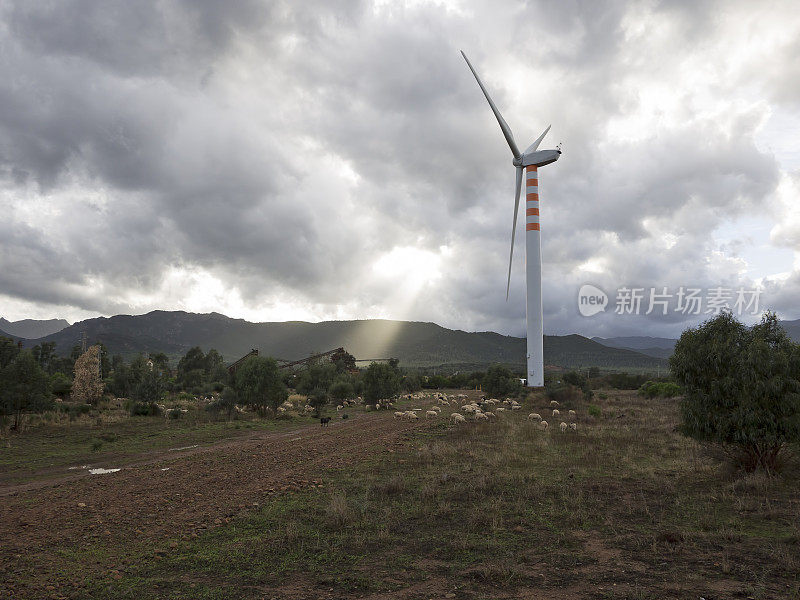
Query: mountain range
(32, 328)
(415, 344)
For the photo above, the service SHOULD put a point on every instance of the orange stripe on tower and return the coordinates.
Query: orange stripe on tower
(531, 211)
(532, 227)
(532, 196)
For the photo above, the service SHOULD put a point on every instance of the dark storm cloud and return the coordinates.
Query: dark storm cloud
(285, 146)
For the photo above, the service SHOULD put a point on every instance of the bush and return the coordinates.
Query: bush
(381, 381)
(594, 410)
(318, 398)
(259, 384)
(742, 388)
(500, 382)
(563, 394)
(625, 381)
(342, 389)
(225, 403)
(142, 409)
(659, 389)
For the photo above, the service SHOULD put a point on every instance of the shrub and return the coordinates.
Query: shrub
(225, 403)
(260, 385)
(500, 382)
(742, 388)
(381, 381)
(594, 410)
(142, 409)
(625, 381)
(318, 398)
(659, 389)
(341, 389)
(563, 393)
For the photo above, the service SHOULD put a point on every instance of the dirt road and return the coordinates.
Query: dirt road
(169, 495)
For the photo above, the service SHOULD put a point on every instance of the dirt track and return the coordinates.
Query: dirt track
(202, 488)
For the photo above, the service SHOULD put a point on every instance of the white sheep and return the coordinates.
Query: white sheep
(543, 425)
(554, 403)
(535, 416)
(499, 409)
(563, 426)
(411, 415)
(457, 418)
(431, 413)
(399, 414)
(468, 408)
(516, 407)
(573, 426)
(436, 408)
(489, 414)
(571, 414)
(481, 417)
(340, 407)
(556, 413)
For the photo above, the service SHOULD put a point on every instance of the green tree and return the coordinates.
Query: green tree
(60, 384)
(215, 366)
(8, 351)
(24, 386)
(149, 389)
(742, 388)
(318, 398)
(380, 381)
(160, 363)
(316, 376)
(192, 373)
(260, 385)
(499, 381)
(342, 388)
(45, 355)
(412, 383)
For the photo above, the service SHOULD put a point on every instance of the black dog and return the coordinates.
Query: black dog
(323, 422)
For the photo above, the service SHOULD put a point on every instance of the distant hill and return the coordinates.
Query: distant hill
(32, 328)
(663, 347)
(792, 329)
(651, 346)
(414, 343)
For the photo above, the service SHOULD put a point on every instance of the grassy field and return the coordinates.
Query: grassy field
(113, 439)
(623, 508)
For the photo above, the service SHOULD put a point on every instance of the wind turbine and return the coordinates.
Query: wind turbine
(530, 161)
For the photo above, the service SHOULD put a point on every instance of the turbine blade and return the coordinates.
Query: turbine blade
(514, 228)
(538, 141)
(503, 125)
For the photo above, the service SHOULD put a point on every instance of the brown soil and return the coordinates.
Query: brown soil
(203, 488)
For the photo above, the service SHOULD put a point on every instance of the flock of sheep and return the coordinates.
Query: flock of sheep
(556, 414)
(484, 410)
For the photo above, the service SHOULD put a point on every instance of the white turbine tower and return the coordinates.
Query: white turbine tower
(529, 160)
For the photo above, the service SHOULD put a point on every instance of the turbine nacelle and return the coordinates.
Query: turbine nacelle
(538, 158)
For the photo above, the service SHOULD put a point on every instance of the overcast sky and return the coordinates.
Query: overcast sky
(325, 160)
